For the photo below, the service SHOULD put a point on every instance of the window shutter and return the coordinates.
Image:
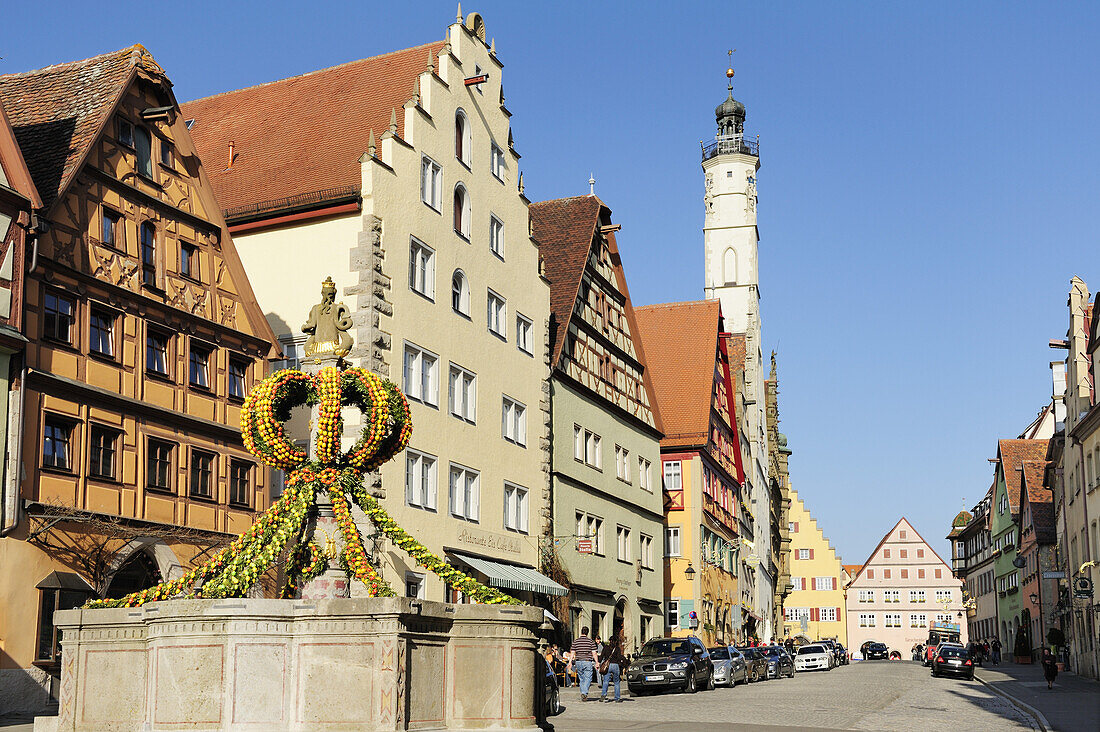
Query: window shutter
(833, 579)
(839, 617)
(811, 554)
(870, 574)
(686, 606)
(796, 526)
(815, 614)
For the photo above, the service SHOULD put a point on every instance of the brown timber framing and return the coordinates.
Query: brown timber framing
(165, 208)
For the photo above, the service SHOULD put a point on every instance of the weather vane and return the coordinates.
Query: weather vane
(729, 69)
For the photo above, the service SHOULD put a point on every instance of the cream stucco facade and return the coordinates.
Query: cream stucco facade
(815, 608)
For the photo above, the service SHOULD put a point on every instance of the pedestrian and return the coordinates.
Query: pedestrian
(597, 675)
(584, 659)
(1050, 667)
(996, 647)
(611, 664)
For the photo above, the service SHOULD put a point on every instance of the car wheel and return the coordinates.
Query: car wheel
(710, 682)
(555, 704)
(689, 685)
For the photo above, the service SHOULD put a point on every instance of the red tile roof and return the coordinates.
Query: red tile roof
(13, 164)
(306, 133)
(57, 112)
(1013, 453)
(1041, 499)
(681, 345)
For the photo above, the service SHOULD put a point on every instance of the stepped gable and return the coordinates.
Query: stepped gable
(1013, 453)
(680, 341)
(302, 134)
(57, 112)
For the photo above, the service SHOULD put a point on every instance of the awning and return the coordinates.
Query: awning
(65, 581)
(511, 577)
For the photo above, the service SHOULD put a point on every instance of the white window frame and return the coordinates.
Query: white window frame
(465, 213)
(417, 580)
(645, 545)
(866, 595)
(513, 421)
(496, 236)
(464, 492)
(460, 296)
(593, 450)
(672, 541)
(673, 475)
(944, 594)
(421, 484)
(867, 620)
(516, 499)
(892, 620)
(467, 138)
(891, 595)
(827, 614)
(822, 584)
(524, 327)
(644, 476)
(421, 268)
(622, 463)
(917, 596)
(418, 384)
(497, 162)
(462, 393)
(622, 540)
(497, 314)
(594, 531)
(431, 183)
(578, 442)
(803, 554)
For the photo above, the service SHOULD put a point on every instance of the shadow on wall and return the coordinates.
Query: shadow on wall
(24, 690)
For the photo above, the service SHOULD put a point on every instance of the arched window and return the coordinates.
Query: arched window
(462, 211)
(148, 254)
(462, 137)
(460, 293)
(729, 267)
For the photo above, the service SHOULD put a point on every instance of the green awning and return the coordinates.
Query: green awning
(511, 577)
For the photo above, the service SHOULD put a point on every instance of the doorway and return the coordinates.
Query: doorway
(618, 622)
(137, 573)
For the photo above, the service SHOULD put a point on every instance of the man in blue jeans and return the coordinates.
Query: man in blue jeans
(584, 656)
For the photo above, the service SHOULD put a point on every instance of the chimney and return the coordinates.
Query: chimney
(230, 166)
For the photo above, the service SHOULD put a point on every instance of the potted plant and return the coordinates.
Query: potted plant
(1057, 638)
(1021, 651)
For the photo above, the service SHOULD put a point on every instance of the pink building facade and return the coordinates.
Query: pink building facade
(902, 588)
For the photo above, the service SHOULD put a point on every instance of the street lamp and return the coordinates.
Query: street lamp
(1034, 597)
(689, 572)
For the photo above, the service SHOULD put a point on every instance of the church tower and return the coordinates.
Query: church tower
(730, 238)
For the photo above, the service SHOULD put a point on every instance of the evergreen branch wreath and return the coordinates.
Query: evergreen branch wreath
(286, 527)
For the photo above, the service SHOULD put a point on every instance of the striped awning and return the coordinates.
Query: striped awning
(511, 577)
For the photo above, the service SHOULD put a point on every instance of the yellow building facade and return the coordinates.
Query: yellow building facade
(816, 606)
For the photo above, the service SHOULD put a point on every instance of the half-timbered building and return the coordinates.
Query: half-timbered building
(606, 519)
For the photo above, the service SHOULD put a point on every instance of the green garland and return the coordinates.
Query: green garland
(285, 526)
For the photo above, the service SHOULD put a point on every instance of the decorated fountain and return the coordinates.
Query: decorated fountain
(208, 652)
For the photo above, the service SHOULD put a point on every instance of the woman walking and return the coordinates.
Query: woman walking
(611, 663)
(1050, 667)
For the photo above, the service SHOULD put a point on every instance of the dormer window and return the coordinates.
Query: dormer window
(463, 145)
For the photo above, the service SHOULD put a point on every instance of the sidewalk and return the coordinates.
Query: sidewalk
(1073, 705)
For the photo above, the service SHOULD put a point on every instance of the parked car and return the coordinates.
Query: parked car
(929, 654)
(670, 663)
(875, 650)
(729, 666)
(841, 655)
(953, 660)
(813, 657)
(756, 662)
(550, 685)
(779, 663)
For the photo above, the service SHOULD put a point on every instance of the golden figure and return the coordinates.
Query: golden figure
(327, 326)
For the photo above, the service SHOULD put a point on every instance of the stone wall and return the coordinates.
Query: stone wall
(353, 664)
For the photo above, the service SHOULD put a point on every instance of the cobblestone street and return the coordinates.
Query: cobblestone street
(863, 696)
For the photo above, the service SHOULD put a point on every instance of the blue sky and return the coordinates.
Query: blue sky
(927, 176)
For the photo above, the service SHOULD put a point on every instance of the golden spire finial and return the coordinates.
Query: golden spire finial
(729, 70)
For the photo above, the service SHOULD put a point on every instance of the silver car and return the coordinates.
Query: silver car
(729, 666)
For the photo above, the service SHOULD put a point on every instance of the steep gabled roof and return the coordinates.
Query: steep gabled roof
(681, 342)
(1041, 500)
(1012, 454)
(13, 167)
(57, 112)
(306, 133)
(886, 536)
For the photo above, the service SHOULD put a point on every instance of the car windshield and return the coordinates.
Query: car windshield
(954, 652)
(807, 650)
(719, 654)
(773, 651)
(665, 647)
(878, 646)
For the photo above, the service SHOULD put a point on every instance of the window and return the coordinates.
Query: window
(798, 614)
(496, 161)
(513, 419)
(943, 617)
(886, 553)
(497, 314)
(866, 620)
(479, 72)
(292, 351)
(58, 313)
(672, 541)
(463, 394)
(523, 335)
(916, 595)
(148, 255)
(462, 211)
(592, 452)
(240, 482)
(891, 596)
(57, 448)
(578, 442)
(892, 620)
(189, 261)
(421, 375)
(101, 332)
(803, 553)
(202, 473)
(125, 133)
(465, 493)
(920, 554)
(643, 474)
(158, 465)
(592, 528)
(622, 463)
(431, 183)
(496, 236)
(622, 539)
(143, 146)
(827, 614)
(420, 480)
(673, 478)
(918, 620)
(199, 371)
(422, 268)
(102, 452)
(647, 551)
(866, 595)
(237, 378)
(904, 554)
(515, 508)
(886, 574)
(942, 595)
(51, 600)
(414, 585)
(111, 235)
(823, 583)
(460, 293)
(462, 138)
(901, 534)
(672, 616)
(166, 153)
